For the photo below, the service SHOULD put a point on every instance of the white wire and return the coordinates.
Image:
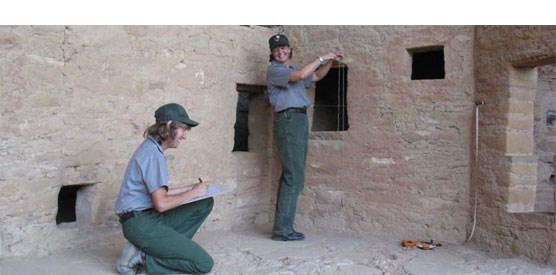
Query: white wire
(475, 172)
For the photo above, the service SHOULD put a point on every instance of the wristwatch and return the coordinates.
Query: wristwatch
(321, 60)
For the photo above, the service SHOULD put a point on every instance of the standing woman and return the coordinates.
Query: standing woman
(287, 87)
(158, 226)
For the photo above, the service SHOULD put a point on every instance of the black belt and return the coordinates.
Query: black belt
(128, 215)
(294, 110)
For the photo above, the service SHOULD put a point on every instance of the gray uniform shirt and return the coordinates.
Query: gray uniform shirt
(146, 172)
(284, 94)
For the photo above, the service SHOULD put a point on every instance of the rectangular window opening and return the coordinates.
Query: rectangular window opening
(330, 108)
(67, 200)
(427, 63)
(544, 127)
(241, 127)
(246, 93)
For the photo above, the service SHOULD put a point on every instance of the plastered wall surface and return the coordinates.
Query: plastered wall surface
(75, 101)
(402, 168)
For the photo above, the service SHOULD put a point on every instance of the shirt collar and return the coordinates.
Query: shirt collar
(153, 140)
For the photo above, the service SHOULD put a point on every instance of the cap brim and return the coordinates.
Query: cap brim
(281, 44)
(190, 122)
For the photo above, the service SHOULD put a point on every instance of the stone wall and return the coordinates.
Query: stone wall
(402, 168)
(75, 101)
(507, 58)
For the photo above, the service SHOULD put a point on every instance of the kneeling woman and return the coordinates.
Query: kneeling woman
(158, 226)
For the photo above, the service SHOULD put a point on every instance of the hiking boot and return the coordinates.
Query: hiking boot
(293, 236)
(131, 260)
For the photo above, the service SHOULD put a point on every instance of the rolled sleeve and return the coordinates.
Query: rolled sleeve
(279, 76)
(154, 172)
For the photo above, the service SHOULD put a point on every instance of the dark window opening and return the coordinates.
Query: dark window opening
(550, 118)
(427, 63)
(66, 203)
(330, 108)
(241, 127)
(246, 94)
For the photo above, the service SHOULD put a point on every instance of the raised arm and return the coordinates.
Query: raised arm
(318, 67)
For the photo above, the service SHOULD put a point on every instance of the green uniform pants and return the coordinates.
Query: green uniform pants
(291, 132)
(166, 238)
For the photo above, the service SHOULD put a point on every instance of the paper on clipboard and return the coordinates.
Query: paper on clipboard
(212, 191)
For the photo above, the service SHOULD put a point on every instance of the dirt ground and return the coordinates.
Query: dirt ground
(252, 252)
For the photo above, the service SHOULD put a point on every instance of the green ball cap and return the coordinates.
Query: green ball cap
(174, 112)
(278, 40)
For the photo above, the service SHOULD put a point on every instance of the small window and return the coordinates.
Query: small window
(249, 97)
(241, 127)
(330, 108)
(67, 199)
(427, 63)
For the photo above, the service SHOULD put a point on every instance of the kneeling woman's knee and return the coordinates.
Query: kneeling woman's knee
(209, 202)
(205, 266)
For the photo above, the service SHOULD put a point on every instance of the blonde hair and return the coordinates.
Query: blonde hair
(161, 132)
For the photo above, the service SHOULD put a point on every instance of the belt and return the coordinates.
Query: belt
(294, 110)
(128, 215)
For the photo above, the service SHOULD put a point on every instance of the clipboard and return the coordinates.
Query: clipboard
(213, 190)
